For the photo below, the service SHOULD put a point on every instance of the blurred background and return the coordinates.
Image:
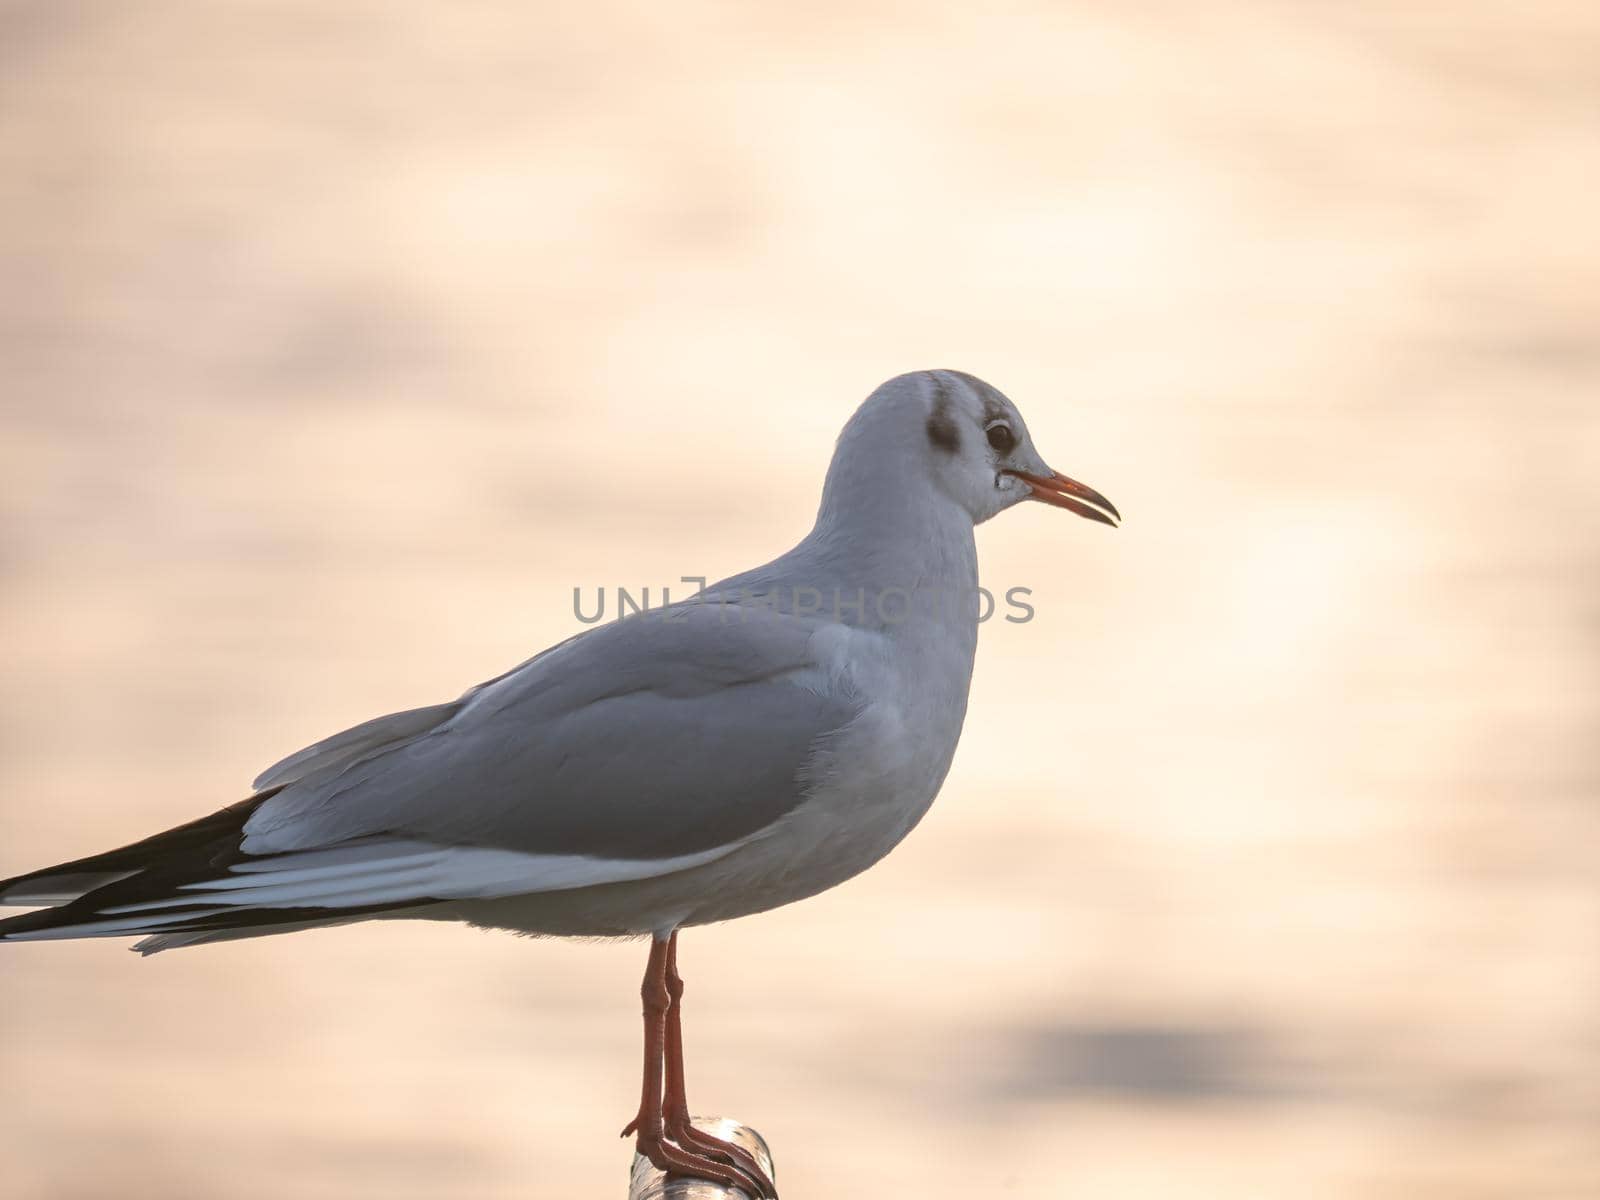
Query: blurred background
(339, 343)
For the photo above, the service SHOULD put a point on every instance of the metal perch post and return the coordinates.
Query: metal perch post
(649, 1183)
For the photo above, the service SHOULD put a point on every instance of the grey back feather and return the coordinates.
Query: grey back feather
(358, 742)
(665, 734)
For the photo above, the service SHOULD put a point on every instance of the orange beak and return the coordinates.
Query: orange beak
(1062, 492)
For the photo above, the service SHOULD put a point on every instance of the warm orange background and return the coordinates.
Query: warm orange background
(340, 341)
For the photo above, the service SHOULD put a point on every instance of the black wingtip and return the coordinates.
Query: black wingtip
(66, 881)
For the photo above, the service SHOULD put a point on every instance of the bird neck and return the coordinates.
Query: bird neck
(898, 559)
(890, 549)
(907, 536)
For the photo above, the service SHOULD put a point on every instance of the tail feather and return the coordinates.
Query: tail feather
(156, 943)
(202, 839)
(194, 884)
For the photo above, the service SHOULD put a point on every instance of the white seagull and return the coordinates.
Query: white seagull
(757, 744)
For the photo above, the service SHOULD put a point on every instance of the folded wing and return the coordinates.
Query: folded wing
(636, 749)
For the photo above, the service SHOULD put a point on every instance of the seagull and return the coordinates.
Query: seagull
(753, 745)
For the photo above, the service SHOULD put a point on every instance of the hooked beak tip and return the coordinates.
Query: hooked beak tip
(1059, 491)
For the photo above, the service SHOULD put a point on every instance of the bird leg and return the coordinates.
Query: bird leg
(654, 1142)
(675, 1107)
(653, 991)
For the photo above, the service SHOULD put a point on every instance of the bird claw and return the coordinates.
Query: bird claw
(735, 1155)
(688, 1154)
(679, 1162)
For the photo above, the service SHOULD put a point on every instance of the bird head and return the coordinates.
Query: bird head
(983, 457)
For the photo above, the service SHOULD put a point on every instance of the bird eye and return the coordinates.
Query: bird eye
(1001, 438)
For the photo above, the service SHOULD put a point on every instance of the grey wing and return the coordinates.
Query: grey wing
(343, 749)
(359, 742)
(635, 750)
(653, 738)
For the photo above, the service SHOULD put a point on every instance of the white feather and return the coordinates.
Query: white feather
(121, 927)
(397, 871)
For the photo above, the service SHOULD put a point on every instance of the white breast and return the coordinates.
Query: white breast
(870, 783)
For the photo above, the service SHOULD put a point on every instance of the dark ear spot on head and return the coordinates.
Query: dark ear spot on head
(942, 430)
